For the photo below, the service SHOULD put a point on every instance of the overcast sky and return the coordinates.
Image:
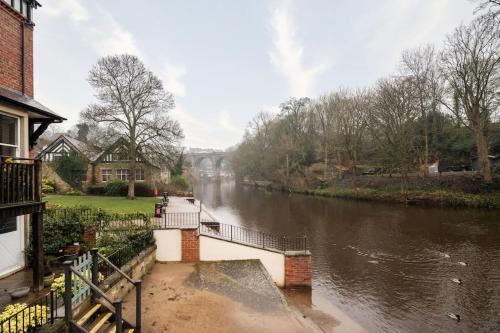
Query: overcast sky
(225, 61)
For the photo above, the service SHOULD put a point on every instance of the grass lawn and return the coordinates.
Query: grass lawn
(109, 204)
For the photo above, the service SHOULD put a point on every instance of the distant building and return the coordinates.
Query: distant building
(103, 166)
(113, 164)
(494, 161)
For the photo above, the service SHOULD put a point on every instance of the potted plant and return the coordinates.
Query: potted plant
(48, 276)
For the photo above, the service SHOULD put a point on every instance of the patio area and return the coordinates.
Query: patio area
(20, 279)
(227, 296)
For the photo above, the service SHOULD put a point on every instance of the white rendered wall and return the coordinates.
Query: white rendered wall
(168, 244)
(212, 249)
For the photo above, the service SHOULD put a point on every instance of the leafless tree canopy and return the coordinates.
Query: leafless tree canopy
(471, 66)
(131, 101)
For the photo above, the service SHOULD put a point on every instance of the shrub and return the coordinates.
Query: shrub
(96, 190)
(74, 192)
(71, 168)
(116, 188)
(179, 183)
(48, 185)
(143, 190)
(61, 230)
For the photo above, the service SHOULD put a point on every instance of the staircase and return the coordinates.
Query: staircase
(100, 319)
(104, 315)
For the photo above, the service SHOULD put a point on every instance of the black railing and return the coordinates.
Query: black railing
(20, 180)
(251, 237)
(43, 311)
(126, 253)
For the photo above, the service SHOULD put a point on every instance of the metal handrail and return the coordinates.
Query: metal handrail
(45, 312)
(68, 309)
(122, 273)
(238, 234)
(91, 285)
(137, 284)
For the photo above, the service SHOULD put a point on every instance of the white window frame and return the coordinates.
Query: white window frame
(18, 134)
(119, 174)
(108, 175)
(143, 175)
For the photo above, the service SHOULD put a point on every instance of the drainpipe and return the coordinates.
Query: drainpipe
(23, 84)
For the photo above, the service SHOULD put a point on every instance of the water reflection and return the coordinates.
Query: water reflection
(389, 267)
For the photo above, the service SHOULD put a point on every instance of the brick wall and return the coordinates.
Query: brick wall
(298, 270)
(190, 245)
(12, 27)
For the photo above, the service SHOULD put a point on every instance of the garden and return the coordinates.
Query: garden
(69, 233)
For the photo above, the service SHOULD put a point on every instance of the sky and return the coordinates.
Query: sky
(227, 60)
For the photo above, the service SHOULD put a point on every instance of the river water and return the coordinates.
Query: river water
(388, 267)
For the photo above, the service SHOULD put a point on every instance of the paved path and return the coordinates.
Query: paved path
(235, 296)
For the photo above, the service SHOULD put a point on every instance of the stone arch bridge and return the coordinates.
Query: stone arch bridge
(216, 159)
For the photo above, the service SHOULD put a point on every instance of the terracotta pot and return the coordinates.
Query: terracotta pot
(72, 250)
(48, 279)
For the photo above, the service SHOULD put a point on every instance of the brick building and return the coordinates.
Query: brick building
(103, 166)
(22, 121)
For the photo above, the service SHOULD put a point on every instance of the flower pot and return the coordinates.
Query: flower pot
(48, 279)
(72, 250)
(19, 292)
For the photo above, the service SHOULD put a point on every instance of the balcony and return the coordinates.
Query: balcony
(20, 186)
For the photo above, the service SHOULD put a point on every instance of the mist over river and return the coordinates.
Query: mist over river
(387, 266)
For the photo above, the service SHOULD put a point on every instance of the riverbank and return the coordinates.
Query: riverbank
(464, 193)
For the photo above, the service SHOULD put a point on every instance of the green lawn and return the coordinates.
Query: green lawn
(109, 204)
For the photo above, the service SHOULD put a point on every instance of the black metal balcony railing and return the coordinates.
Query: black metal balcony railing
(20, 181)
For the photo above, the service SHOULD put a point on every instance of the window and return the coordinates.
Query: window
(8, 226)
(122, 174)
(139, 174)
(106, 175)
(8, 136)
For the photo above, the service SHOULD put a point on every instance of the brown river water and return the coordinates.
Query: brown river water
(387, 266)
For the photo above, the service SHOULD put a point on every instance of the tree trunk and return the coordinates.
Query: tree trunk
(325, 171)
(426, 150)
(482, 154)
(131, 176)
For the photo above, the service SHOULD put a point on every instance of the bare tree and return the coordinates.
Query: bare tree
(421, 65)
(471, 65)
(489, 8)
(352, 120)
(132, 102)
(324, 111)
(394, 113)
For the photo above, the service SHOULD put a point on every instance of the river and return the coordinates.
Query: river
(387, 266)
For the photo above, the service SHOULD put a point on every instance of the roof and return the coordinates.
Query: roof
(123, 141)
(75, 144)
(23, 101)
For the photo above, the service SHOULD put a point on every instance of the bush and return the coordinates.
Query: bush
(62, 230)
(74, 192)
(96, 190)
(116, 188)
(143, 190)
(48, 185)
(179, 183)
(71, 168)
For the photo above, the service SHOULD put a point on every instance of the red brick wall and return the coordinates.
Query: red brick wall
(190, 245)
(298, 271)
(11, 30)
